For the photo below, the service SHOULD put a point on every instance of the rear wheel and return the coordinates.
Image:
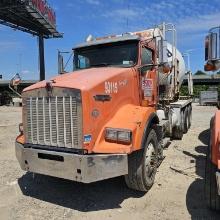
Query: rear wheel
(142, 165)
(211, 190)
(177, 133)
(185, 120)
(189, 115)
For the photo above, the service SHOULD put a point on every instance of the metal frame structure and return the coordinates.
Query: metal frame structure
(35, 17)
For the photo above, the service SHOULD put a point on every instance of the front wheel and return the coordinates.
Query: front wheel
(142, 165)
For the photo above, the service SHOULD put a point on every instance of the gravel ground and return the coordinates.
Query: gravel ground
(176, 194)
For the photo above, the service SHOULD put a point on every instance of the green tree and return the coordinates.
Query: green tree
(199, 72)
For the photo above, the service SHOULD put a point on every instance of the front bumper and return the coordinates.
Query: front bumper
(80, 168)
(218, 181)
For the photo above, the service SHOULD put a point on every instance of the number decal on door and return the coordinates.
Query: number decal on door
(111, 87)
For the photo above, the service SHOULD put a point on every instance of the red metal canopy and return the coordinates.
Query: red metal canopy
(32, 16)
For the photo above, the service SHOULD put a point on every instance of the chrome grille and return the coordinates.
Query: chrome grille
(54, 121)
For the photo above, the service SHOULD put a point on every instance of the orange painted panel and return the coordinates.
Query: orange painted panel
(20, 139)
(216, 138)
(129, 117)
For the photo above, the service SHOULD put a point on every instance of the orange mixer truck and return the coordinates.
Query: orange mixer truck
(112, 115)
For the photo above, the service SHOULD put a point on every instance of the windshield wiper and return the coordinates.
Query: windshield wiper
(100, 64)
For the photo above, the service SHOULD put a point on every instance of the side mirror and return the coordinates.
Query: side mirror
(211, 48)
(207, 44)
(214, 45)
(60, 63)
(162, 51)
(163, 56)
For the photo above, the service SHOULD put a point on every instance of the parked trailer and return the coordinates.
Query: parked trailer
(209, 97)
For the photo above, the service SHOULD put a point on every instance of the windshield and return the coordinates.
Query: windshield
(123, 54)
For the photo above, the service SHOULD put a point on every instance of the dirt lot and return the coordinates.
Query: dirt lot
(175, 195)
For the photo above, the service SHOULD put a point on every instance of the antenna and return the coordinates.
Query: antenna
(126, 16)
(19, 63)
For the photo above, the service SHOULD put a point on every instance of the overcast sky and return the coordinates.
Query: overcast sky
(79, 18)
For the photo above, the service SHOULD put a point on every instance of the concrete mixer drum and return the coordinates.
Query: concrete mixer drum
(169, 83)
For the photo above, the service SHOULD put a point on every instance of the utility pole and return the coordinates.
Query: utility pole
(41, 57)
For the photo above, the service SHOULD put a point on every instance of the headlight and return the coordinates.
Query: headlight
(124, 136)
(118, 135)
(111, 134)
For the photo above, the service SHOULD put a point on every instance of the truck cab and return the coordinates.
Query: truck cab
(109, 116)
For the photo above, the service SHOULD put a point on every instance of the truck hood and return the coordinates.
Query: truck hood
(81, 79)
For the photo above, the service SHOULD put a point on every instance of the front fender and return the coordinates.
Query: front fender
(129, 117)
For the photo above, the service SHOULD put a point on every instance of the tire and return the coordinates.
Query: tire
(185, 121)
(211, 122)
(190, 116)
(142, 165)
(211, 192)
(177, 133)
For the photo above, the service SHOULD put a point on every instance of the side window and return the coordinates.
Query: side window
(147, 56)
(83, 62)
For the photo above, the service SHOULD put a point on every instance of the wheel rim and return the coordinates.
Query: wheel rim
(150, 159)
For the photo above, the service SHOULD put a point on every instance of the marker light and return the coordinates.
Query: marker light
(118, 135)
(21, 128)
